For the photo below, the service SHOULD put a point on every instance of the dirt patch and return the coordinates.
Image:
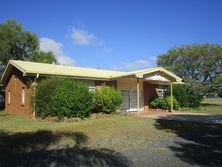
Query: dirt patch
(100, 115)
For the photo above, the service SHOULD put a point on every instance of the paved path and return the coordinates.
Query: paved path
(184, 116)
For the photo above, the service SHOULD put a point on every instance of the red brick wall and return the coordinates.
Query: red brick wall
(15, 85)
(149, 93)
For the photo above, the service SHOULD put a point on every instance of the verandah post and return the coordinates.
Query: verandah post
(171, 96)
(138, 94)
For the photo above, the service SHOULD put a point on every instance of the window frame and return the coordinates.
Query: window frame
(23, 96)
(9, 97)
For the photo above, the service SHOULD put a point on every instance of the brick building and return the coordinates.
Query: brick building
(138, 87)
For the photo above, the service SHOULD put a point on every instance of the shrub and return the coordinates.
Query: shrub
(165, 103)
(219, 92)
(188, 95)
(72, 99)
(43, 97)
(107, 100)
(159, 103)
(176, 104)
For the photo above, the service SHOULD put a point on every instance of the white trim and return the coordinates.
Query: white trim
(23, 96)
(9, 97)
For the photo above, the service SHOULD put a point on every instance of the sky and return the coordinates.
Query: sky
(120, 35)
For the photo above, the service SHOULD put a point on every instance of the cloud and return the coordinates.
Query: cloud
(131, 66)
(81, 37)
(47, 44)
(84, 38)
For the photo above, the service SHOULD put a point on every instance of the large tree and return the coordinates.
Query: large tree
(202, 63)
(43, 57)
(19, 44)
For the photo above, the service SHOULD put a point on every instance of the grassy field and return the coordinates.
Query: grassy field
(106, 132)
(88, 143)
(114, 141)
(209, 106)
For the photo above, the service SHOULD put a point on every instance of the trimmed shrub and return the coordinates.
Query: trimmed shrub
(43, 97)
(107, 100)
(188, 95)
(165, 103)
(72, 99)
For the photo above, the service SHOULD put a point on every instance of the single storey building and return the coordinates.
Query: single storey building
(137, 87)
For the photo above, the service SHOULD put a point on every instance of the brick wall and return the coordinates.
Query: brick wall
(149, 93)
(16, 84)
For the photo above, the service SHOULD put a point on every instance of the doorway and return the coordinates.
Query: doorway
(130, 100)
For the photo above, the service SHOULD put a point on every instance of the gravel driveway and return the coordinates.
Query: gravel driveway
(184, 116)
(194, 144)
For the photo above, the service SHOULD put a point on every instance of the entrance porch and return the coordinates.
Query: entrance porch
(140, 89)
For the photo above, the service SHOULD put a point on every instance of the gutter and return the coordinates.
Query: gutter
(74, 77)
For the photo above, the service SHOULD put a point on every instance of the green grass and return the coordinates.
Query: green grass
(95, 142)
(106, 133)
(209, 106)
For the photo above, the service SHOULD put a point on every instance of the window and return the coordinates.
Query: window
(9, 97)
(92, 88)
(23, 96)
(160, 92)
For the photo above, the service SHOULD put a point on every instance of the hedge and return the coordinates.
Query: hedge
(107, 100)
(43, 97)
(165, 103)
(63, 98)
(72, 99)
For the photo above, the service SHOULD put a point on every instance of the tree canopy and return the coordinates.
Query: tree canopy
(202, 63)
(19, 44)
(43, 57)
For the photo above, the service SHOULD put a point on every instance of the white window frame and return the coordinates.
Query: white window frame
(92, 88)
(9, 97)
(23, 96)
(141, 108)
(160, 92)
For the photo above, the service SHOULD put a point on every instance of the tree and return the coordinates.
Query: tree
(218, 85)
(19, 44)
(202, 63)
(43, 57)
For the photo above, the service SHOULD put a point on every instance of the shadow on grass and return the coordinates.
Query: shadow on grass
(202, 145)
(44, 148)
(210, 105)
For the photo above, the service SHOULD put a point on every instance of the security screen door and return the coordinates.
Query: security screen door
(130, 100)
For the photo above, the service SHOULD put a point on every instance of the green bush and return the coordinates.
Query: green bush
(43, 97)
(165, 103)
(107, 100)
(72, 99)
(219, 92)
(176, 104)
(188, 95)
(159, 103)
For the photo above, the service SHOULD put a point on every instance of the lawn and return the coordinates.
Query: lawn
(106, 132)
(115, 141)
(209, 106)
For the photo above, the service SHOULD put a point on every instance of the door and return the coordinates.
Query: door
(126, 100)
(133, 100)
(130, 100)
